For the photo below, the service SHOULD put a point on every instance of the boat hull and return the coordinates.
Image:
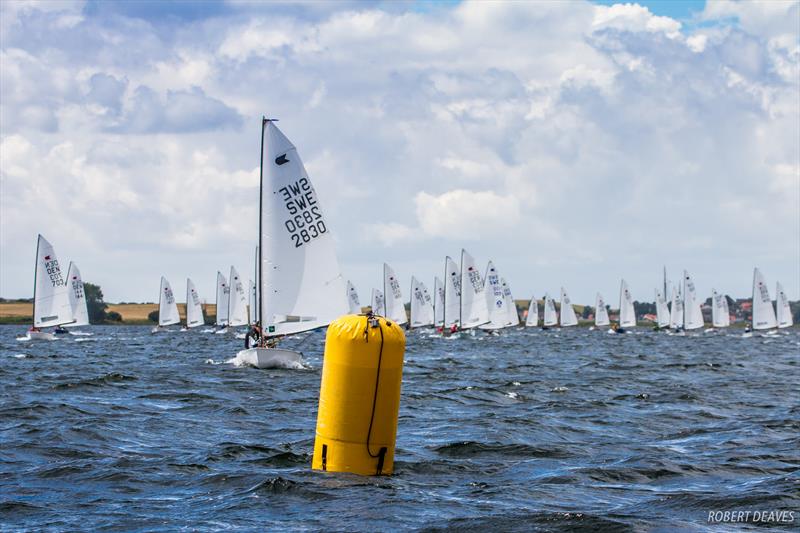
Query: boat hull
(270, 358)
(41, 336)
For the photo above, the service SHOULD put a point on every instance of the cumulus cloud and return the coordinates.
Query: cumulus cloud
(548, 135)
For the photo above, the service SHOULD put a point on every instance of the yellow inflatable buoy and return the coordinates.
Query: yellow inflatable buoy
(359, 399)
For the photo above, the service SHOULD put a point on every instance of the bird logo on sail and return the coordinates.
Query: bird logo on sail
(281, 159)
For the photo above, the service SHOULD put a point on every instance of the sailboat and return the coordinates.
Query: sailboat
(237, 303)
(254, 318)
(568, 317)
(167, 307)
(392, 297)
(763, 313)
(662, 310)
(784, 311)
(377, 303)
(600, 312)
(194, 309)
(223, 303)
(473, 309)
(421, 305)
(627, 313)
(77, 299)
(51, 299)
(451, 305)
(550, 316)
(720, 316)
(511, 307)
(495, 300)
(438, 302)
(352, 299)
(300, 286)
(532, 320)
(251, 303)
(676, 310)
(692, 314)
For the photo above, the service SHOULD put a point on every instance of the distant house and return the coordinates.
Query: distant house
(649, 318)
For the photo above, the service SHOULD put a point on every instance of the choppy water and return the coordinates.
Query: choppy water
(528, 431)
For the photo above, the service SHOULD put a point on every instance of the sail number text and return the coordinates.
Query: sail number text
(54, 273)
(305, 220)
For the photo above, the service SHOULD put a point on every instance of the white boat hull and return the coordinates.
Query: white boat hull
(270, 358)
(41, 336)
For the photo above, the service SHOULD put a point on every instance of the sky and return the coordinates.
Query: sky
(573, 143)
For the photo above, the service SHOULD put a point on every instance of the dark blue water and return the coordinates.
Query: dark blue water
(532, 430)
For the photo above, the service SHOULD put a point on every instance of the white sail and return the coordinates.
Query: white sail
(223, 299)
(763, 313)
(438, 301)
(568, 317)
(452, 294)
(237, 304)
(600, 312)
(51, 304)
(692, 314)
(627, 313)
(377, 303)
(421, 305)
(495, 300)
(352, 299)
(167, 306)
(393, 298)
(720, 318)
(676, 311)
(784, 315)
(77, 298)
(474, 311)
(194, 309)
(301, 286)
(511, 307)
(532, 320)
(550, 315)
(662, 310)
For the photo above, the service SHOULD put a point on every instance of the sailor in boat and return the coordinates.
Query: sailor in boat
(253, 336)
(60, 330)
(748, 328)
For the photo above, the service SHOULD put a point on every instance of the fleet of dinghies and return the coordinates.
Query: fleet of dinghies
(299, 287)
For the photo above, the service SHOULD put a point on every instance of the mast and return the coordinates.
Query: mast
(260, 221)
(444, 298)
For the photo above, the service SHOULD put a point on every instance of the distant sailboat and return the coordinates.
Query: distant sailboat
(532, 320)
(254, 310)
(550, 315)
(763, 313)
(51, 299)
(377, 303)
(692, 314)
(223, 301)
(451, 309)
(251, 303)
(194, 309)
(77, 297)
(784, 311)
(167, 307)
(720, 316)
(511, 307)
(568, 317)
(627, 313)
(237, 303)
(473, 311)
(300, 285)
(662, 310)
(438, 301)
(495, 300)
(421, 305)
(600, 312)
(676, 311)
(393, 298)
(352, 299)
